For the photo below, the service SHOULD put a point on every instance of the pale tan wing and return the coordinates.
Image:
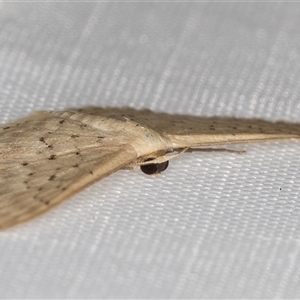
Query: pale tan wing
(192, 131)
(220, 131)
(46, 158)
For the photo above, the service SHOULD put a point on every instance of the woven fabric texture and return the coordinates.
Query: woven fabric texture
(214, 225)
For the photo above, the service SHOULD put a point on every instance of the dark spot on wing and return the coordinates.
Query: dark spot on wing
(91, 172)
(76, 166)
(52, 157)
(50, 146)
(30, 174)
(39, 189)
(74, 136)
(24, 163)
(62, 121)
(6, 128)
(42, 140)
(52, 177)
(77, 153)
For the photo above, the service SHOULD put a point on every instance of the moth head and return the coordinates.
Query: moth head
(156, 168)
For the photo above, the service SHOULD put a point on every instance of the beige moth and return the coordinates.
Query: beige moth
(49, 156)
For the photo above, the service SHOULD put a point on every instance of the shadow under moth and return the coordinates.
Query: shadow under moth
(49, 156)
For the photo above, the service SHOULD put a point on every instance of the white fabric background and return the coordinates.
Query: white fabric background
(214, 225)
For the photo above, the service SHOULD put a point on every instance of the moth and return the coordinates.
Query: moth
(49, 156)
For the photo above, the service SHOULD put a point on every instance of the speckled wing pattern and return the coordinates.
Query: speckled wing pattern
(46, 158)
(192, 131)
(49, 156)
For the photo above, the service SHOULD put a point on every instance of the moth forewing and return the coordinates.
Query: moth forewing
(180, 141)
(49, 156)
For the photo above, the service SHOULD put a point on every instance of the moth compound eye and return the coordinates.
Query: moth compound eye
(154, 168)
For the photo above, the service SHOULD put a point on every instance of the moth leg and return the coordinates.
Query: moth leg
(216, 150)
(154, 159)
(163, 158)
